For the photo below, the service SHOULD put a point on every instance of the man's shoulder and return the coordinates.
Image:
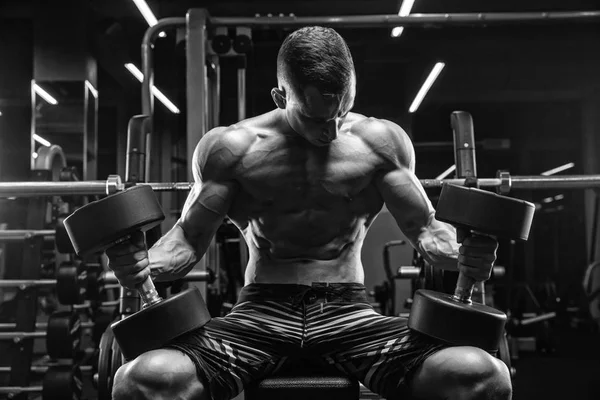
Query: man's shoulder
(384, 137)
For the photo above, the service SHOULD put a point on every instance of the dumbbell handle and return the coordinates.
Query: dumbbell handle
(148, 292)
(464, 288)
(146, 289)
(464, 284)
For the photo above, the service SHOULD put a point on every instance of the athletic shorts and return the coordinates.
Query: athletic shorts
(272, 325)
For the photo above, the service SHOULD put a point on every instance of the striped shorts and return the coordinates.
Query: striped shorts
(272, 325)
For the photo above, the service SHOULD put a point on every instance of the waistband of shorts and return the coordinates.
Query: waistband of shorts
(318, 292)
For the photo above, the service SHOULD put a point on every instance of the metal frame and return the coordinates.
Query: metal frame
(197, 21)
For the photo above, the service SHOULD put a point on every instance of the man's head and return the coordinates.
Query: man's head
(317, 82)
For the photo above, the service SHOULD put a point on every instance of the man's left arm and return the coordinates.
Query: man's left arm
(410, 206)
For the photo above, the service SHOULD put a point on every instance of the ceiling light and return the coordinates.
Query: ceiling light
(404, 11)
(426, 86)
(558, 169)
(91, 88)
(446, 172)
(44, 95)
(157, 93)
(147, 14)
(41, 140)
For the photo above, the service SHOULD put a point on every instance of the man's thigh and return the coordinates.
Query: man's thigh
(246, 345)
(379, 351)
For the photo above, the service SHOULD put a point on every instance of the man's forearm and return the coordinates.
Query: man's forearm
(172, 256)
(437, 244)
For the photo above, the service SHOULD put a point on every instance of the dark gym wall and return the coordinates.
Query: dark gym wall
(16, 70)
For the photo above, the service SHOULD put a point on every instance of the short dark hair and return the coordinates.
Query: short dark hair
(318, 56)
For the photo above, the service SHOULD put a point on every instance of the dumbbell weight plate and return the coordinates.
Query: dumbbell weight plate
(70, 285)
(146, 330)
(61, 237)
(63, 335)
(440, 316)
(102, 223)
(485, 212)
(62, 383)
(504, 353)
(105, 372)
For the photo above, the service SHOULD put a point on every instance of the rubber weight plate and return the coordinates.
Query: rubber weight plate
(70, 285)
(158, 324)
(105, 372)
(485, 212)
(62, 383)
(98, 225)
(63, 335)
(440, 316)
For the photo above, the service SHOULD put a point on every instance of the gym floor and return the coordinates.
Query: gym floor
(571, 372)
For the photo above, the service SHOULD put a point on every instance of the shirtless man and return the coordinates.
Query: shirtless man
(303, 183)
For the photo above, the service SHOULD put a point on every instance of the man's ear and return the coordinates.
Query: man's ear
(278, 96)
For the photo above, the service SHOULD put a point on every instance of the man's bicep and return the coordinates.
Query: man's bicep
(406, 200)
(206, 206)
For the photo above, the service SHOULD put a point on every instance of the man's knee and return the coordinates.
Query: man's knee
(463, 373)
(159, 374)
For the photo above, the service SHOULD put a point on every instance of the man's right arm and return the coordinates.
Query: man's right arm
(207, 204)
(174, 255)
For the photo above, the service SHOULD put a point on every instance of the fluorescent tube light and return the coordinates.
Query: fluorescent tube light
(44, 95)
(147, 14)
(437, 68)
(157, 93)
(558, 169)
(404, 11)
(446, 172)
(41, 140)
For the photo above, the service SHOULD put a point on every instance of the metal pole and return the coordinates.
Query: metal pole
(32, 189)
(241, 86)
(22, 234)
(109, 277)
(466, 167)
(113, 184)
(422, 20)
(555, 182)
(148, 71)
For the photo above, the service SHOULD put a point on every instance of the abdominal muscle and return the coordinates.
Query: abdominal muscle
(303, 254)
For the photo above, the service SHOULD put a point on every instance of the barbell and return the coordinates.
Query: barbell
(504, 182)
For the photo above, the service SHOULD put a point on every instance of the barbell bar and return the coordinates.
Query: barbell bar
(504, 182)
(107, 277)
(22, 234)
(42, 369)
(412, 272)
(40, 325)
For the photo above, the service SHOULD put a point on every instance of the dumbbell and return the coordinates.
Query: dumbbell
(101, 224)
(72, 284)
(62, 382)
(455, 319)
(63, 335)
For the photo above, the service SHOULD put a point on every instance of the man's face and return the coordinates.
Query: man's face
(316, 116)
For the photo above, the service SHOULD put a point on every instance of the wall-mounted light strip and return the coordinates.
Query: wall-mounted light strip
(404, 11)
(435, 72)
(558, 169)
(91, 88)
(44, 95)
(0, 113)
(446, 172)
(157, 93)
(41, 140)
(147, 14)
